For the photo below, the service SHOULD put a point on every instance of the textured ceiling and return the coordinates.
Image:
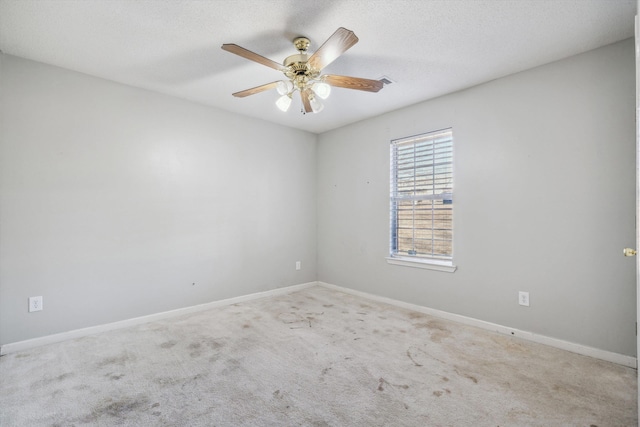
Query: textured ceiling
(427, 47)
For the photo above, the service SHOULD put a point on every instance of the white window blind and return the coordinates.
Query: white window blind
(422, 196)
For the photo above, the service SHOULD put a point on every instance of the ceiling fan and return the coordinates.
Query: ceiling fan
(303, 72)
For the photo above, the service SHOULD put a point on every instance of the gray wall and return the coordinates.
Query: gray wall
(114, 200)
(544, 201)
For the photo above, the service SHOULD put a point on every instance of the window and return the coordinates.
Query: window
(422, 201)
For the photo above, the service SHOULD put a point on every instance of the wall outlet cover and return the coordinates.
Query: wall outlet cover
(523, 298)
(35, 304)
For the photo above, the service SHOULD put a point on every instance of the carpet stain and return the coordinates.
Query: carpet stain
(118, 409)
(195, 347)
(465, 375)
(438, 337)
(439, 393)
(231, 365)
(46, 381)
(509, 345)
(437, 329)
(166, 381)
(81, 387)
(213, 344)
(416, 315)
(168, 344)
(437, 325)
(412, 359)
(116, 360)
(382, 382)
(113, 376)
(197, 377)
(289, 318)
(246, 326)
(327, 305)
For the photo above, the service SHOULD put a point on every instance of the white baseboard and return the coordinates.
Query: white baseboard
(620, 359)
(529, 336)
(78, 333)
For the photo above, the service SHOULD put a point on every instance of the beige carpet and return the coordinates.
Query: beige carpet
(312, 358)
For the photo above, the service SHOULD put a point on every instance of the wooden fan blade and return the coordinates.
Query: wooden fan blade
(305, 100)
(353, 83)
(252, 56)
(255, 90)
(336, 45)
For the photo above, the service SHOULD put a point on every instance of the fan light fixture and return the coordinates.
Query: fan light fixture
(321, 89)
(303, 72)
(284, 102)
(286, 88)
(316, 105)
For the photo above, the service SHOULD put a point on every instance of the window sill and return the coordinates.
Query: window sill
(428, 264)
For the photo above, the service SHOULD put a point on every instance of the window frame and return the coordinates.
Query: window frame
(429, 261)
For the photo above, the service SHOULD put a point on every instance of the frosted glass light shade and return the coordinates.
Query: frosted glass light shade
(322, 89)
(284, 87)
(284, 102)
(316, 105)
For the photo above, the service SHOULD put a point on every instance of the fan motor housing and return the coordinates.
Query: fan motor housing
(297, 66)
(297, 63)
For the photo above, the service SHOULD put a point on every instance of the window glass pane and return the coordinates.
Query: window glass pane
(422, 196)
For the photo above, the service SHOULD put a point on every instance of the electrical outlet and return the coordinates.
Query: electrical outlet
(35, 304)
(298, 265)
(523, 298)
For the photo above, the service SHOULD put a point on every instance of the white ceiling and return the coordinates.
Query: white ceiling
(428, 47)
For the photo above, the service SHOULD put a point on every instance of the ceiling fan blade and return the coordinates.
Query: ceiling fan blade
(255, 90)
(252, 56)
(353, 83)
(305, 101)
(336, 45)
